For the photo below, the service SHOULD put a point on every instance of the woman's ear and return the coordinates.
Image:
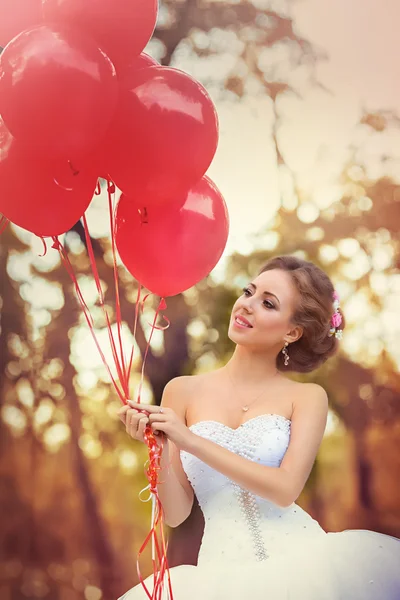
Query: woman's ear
(294, 334)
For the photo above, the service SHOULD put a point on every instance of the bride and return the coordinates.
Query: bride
(244, 438)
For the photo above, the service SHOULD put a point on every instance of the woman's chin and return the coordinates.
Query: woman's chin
(236, 336)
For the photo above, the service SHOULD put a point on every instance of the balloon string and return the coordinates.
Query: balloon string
(161, 306)
(159, 548)
(44, 247)
(65, 259)
(111, 192)
(104, 308)
(159, 555)
(3, 223)
(121, 374)
(137, 308)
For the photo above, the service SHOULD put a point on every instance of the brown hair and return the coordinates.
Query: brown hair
(313, 313)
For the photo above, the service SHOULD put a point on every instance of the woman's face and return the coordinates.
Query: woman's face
(267, 303)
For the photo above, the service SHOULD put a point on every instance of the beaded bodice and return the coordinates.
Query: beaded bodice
(240, 525)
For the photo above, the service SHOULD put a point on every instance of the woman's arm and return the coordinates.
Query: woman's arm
(281, 485)
(174, 490)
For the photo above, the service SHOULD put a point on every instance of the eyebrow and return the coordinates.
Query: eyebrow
(265, 293)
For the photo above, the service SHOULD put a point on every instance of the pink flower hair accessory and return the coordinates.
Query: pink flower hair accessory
(336, 319)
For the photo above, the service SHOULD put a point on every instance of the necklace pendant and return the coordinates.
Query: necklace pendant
(245, 408)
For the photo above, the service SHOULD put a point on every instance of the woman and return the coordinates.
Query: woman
(244, 438)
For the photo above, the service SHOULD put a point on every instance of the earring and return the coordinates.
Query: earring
(285, 353)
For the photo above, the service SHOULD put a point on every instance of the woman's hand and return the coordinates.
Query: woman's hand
(166, 422)
(135, 422)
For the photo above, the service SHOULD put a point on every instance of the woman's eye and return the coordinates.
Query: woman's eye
(266, 303)
(269, 304)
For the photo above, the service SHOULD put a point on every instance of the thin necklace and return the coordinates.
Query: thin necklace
(246, 407)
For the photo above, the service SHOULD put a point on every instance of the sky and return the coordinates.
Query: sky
(361, 42)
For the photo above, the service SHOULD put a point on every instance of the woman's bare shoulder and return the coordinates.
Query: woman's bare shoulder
(185, 382)
(176, 395)
(306, 393)
(299, 393)
(197, 380)
(304, 386)
(180, 389)
(182, 392)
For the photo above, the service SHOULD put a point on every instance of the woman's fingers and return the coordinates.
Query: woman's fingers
(130, 424)
(158, 417)
(125, 411)
(122, 412)
(137, 426)
(136, 420)
(142, 426)
(127, 414)
(132, 416)
(149, 408)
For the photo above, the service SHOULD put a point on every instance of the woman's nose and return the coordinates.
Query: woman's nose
(247, 304)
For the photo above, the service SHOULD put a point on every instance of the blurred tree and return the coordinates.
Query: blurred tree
(70, 516)
(365, 219)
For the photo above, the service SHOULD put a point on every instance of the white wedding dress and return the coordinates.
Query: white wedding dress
(254, 549)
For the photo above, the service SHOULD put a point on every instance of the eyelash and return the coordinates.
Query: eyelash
(271, 304)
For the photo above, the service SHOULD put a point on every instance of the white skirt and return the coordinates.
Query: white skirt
(355, 564)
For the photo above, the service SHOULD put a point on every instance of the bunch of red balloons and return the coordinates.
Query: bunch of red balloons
(80, 100)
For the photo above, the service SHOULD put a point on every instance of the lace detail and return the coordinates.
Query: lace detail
(263, 416)
(246, 499)
(250, 521)
(248, 506)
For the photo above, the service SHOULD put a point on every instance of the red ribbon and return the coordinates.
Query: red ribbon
(44, 247)
(98, 188)
(159, 555)
(3, 223)
(123, 368)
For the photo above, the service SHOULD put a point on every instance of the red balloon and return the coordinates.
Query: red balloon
(97, 159)
(143, 61)
(163, 136)
(169, 249)
(44, 198)
(58, 91)
(122, 28)
(17, 15)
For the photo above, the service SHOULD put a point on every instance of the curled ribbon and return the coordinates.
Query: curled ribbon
(159, 548)
(3, 223)
(44, 247)
(123, 368)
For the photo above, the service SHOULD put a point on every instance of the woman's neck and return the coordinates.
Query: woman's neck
(251, 368)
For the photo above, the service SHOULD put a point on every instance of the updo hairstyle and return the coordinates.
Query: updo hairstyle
(313, 312)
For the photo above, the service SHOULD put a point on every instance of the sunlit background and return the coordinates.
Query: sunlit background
(307, 95)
